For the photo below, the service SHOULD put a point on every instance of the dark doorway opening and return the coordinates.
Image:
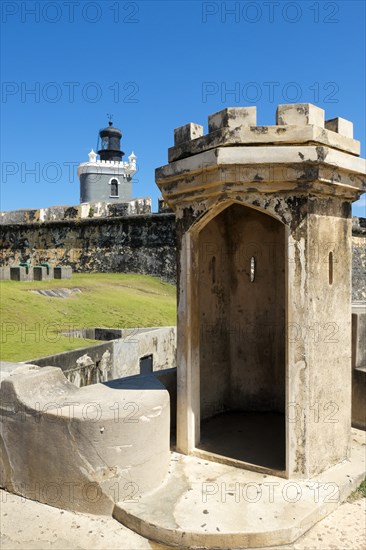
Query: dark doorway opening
(146, 364)
(242, 337)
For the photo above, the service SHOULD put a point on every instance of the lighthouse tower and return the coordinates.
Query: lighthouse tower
(108, 178)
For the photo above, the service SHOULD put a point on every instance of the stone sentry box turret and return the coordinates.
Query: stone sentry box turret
(264, 287)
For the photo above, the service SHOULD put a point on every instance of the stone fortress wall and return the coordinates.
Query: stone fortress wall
(359, 259)
(98, 209)
(140, 243)
(124, 237)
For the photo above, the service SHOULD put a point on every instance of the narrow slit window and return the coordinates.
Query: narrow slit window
(330, 268)
(252, 269)
(213, 270)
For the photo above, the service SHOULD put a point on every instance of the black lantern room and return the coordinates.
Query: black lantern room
(109, 143)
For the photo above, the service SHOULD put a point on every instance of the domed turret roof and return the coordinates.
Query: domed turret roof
(110, 131)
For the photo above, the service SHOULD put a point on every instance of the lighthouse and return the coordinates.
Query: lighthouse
(108, 178)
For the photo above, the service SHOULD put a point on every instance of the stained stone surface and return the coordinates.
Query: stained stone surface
(280, 197)
(143, 244)
(82, 448)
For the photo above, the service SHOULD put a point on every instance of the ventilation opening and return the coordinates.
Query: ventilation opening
(252, 269)
(330, 268)
(213, 268)
(146, 364)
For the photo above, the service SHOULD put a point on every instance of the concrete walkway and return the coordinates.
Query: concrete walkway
(29, 525)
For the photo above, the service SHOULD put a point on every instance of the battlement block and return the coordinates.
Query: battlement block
(232, 117)
(341, 126)
(187, 133)
(299, 114)
(300, 123)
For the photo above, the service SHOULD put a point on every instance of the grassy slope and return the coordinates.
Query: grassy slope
(30, 323)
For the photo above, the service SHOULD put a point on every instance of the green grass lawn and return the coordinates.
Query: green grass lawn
(31, 323)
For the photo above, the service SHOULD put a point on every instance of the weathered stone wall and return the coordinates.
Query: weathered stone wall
(134, 244)
(98, 209)
(83, 366)
(116, 358)
(54, 434)
(359, 259)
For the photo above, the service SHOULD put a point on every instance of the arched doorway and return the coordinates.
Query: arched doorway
(241, 309)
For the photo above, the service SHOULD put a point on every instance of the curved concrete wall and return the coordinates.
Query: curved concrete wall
(82, 449)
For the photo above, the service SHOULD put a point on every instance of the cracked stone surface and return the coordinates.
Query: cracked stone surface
(54, 450)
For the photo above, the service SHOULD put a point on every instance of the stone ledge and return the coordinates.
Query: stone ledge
(268, 169)
(274, 154)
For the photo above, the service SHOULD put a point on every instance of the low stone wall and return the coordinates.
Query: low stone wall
(34, 273)
(105, 442)
(83, 366)
(359, 365)
(116, 358)
(136, 344)
(79, 211)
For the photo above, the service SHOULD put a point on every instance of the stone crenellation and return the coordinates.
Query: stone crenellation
(299, 123)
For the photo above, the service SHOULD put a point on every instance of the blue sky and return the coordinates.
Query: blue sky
(156, 66)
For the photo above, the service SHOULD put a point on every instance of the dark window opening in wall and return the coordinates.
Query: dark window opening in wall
(114, 188)
(146, 364)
